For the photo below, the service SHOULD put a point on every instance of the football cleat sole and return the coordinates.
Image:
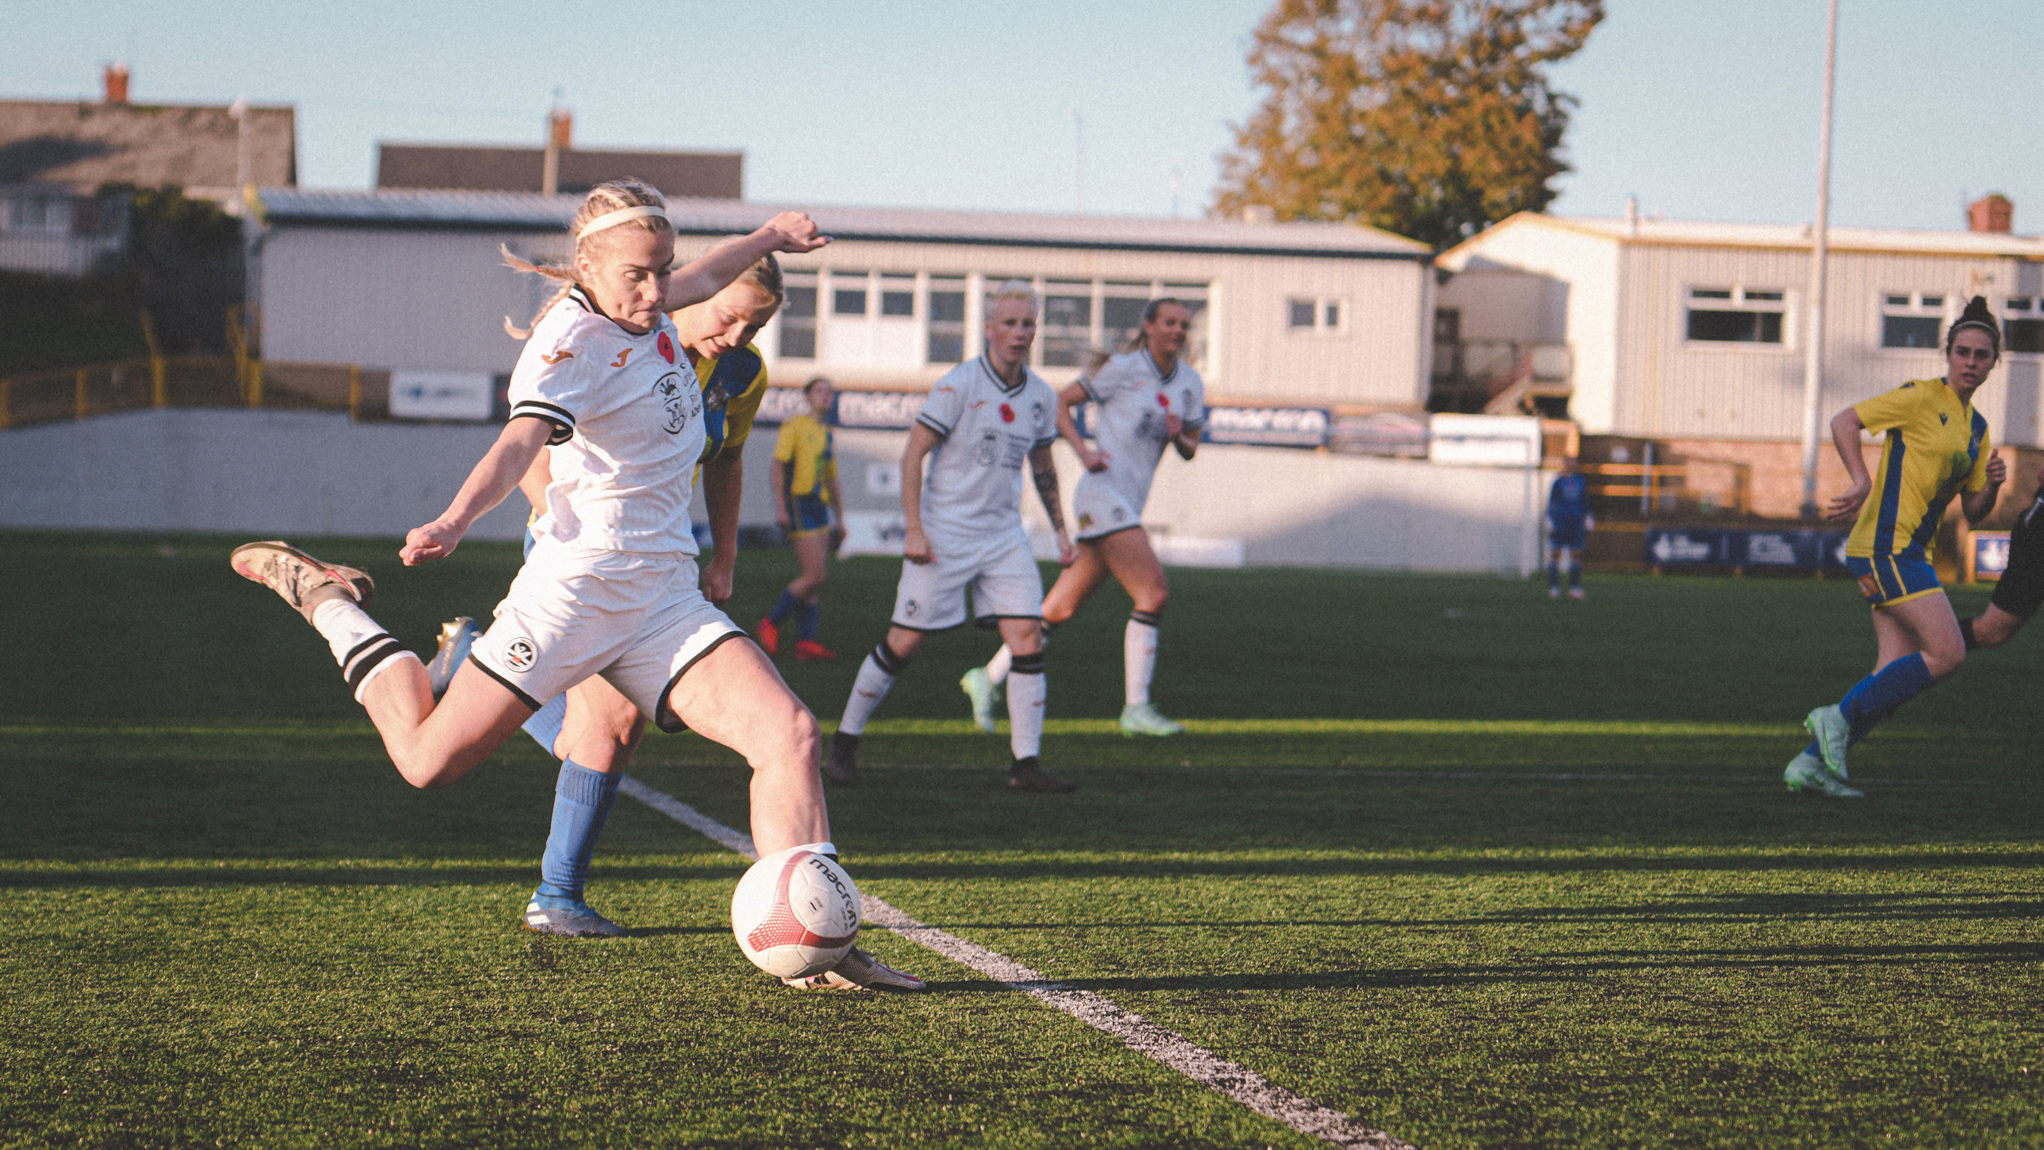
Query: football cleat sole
(299, 578)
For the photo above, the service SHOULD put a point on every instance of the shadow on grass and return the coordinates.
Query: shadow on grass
(1573, 968)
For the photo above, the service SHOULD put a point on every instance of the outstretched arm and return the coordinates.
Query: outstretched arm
(500, 470)
(1045, 470)
(713, 271)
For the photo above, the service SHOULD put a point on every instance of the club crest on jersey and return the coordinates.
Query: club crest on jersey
(1007, 414)
(520, 654)
(665, 347)
(989, 449)
(667, 389)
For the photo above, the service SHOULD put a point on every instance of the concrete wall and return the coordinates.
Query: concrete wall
(278, 474)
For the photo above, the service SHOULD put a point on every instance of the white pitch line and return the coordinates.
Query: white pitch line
(1136, 1032)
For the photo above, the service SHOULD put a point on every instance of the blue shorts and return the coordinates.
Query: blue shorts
(1886, 579)
(1565, 533)
(811, 514)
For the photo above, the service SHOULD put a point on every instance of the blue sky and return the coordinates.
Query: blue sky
(1702, 110)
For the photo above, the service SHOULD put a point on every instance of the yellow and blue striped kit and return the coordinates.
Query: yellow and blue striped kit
(1936, 446)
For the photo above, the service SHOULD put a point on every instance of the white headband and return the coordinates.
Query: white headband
(613, 219)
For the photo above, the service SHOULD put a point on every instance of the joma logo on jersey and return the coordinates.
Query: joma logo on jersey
(556, 357)
(621, 358)
(520, 654)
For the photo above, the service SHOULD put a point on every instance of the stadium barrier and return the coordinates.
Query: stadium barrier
(30, 398)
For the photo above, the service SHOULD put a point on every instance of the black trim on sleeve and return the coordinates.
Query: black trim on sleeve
(508, 684)
(933, 425)
(562, 419)
(663, 715)
(1086, 385)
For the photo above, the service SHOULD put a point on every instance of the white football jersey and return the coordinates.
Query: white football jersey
(628, 428)
(1130, 398)
(973, 485)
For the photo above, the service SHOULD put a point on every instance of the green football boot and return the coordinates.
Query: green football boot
(1144, 719)
(1828, 726)
(984, 693)
(1805, 773)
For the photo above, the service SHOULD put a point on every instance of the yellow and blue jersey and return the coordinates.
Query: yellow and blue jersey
(1936, 446)
(733, 385)
(804, 446)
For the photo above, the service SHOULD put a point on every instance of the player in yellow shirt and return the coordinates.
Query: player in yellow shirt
(805, 496)
(1936, 447)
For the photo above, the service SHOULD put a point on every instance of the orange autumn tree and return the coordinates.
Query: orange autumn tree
(1429, 118)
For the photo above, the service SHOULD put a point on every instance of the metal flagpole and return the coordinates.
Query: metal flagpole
(1820, 250)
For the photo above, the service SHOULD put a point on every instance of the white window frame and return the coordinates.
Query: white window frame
(1739, 298)
(1920, 305)
(1319, 304)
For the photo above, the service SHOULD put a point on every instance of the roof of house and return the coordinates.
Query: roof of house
(704, 175)
(84, 144)
(1795, 237)
(502, 211)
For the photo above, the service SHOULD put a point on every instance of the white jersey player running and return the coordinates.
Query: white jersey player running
(611, 585)
(1142, 400)
(982, 421)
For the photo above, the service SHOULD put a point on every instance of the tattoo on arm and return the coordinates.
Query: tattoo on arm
(1046, 488)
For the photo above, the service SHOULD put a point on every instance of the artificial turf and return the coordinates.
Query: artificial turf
(1477, 868)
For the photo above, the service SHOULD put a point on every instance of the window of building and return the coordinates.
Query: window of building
(2022, 327)
(1911, 320)
(1121, 312)
(947, 319)
(848, 293)
(898, 295)
(1067, 323)
(798, 317)
(1735, 315)
(1304, 314)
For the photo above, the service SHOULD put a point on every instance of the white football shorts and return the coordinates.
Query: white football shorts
(637, 619)
(1001, 572)
(1099, 509)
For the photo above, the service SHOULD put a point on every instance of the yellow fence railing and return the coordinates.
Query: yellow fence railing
(1709, 484)
(190, 381)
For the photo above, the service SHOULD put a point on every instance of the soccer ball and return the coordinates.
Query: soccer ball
(795, 913)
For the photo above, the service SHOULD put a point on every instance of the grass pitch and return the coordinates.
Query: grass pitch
(1477, 868)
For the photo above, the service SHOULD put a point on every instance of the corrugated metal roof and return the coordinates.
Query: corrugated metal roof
(1693, 233)
(404, 208)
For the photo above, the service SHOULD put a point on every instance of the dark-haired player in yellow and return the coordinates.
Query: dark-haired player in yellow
(1936, 447)
(808, 507)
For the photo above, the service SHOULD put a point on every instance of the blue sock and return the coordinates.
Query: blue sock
(1575, 576)
(545, 723)
(582, 800)
(810, 614)
(1553, 577)
(786, 603)
(1881, 694)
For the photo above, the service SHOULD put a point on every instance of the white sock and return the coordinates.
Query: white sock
(997, 667)
(380, 666)
(361, 647)
(868, 690)
(1138, 660)
(1027, 691)
(345, 626)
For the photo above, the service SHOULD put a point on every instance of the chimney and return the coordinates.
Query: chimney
(560, 133)
(115, 77)
(1993, 213)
